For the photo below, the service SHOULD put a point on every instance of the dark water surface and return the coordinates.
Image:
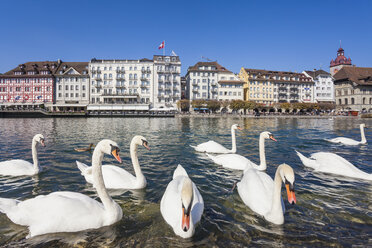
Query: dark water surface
(331, 210)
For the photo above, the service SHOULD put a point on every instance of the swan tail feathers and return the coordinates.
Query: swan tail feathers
(307, 161)
(82, 167)
(7, 204)
(179, 171)
(193, 146)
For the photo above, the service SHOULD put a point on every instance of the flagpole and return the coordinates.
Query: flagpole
(164, 49)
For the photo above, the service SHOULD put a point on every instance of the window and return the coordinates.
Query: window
(72, 95)
(66, 95)
(77, 95)
(83, 87)
(71, 87)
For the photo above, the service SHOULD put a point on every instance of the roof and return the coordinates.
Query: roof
(219, 68)
(261, 74)
(35, 66)
(358, 75)
(80, 67)
(316, 73)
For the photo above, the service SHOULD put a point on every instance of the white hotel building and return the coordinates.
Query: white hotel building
(324, 88)
(138, 85)
(211, 81)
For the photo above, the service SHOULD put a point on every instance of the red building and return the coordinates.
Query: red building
(31, 83)
(339, 62)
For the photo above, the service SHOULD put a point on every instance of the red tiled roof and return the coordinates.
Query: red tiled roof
(358, 75)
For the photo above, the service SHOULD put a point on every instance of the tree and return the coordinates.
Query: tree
(183, 105)
(249, 105)
(237, 104)
(285, 105)
(213, 105)
(198, 103)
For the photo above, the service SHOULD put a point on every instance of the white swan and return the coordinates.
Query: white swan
(239, 162)
(19, 167)
(332, 163)
(116, 177)
(263, 195)
(213, 147)
(68, 211)
(351, 142)
(182, 205)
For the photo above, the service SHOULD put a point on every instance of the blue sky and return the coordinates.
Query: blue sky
(275, 35)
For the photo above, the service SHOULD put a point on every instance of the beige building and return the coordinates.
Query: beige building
(353, 89)
(268, 87)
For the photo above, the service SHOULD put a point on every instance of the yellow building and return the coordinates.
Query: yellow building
(258, 86)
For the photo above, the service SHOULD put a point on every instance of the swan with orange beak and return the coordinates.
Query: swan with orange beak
(262, 194)
(182, 205)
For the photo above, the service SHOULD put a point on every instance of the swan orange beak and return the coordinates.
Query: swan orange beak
(42, 142)
(239, 128)
(272, 138)
(185, 221)
(116, 155)
(146, 146)
(291, 195)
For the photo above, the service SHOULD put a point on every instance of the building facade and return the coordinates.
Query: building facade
(72, 86)
(353, 89)
(29, 84)
(269, 87)
(323, 88)
(183, 88)
(209, 80)
(167, 81)
(340, 62)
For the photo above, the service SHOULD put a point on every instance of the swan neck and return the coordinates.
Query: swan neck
(134, 157)
(233, 140)
(98, 179)
(262, 153)
(34, 156)
(276, 206)
(363, 136)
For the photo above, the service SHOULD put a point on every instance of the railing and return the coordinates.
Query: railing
(120, 94)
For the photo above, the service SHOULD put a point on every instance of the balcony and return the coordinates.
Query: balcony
(144, 85)
(214, 89)
(148, 71)
(194, 83)
(160, 80)
(120, 86)
(195, 89)
(282, 88)
(120, 71)
(97, 85)
(143, 78)
(293, 88)
(120, 94)
(120, 78)
(97, 79)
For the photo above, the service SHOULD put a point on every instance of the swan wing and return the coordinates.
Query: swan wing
(118, 178)
(211, 147)
(58, 212)
(345, 141)
(256, 190)
(231, 161)
(170, 204)
(197, 208)
(179, 171)
(335, 164)
(16, 167)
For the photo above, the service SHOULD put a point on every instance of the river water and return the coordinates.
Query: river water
(330, 211)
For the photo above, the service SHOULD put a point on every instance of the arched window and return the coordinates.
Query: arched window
(346, 103)
(364, 100)
(339, 101)
(352, 101)
(370, 100)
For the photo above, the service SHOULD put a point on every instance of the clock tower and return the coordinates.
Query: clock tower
(339, 62)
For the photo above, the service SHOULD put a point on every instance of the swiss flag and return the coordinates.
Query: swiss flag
(161, 46)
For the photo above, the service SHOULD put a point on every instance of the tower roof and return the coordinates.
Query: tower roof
(341, 59)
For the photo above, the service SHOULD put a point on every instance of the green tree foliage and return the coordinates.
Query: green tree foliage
(237, 104)
(183, 104)
(213, 105)
(198, 103)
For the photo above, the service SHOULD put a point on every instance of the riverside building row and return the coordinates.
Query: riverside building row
(100, 85)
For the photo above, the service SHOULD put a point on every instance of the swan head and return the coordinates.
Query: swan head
(363, 125)
(141, 141)
(288, 178)
(268, 135)
(186, 200)
(109, 147)
(236, 126)
(39, 138)
(90, 145)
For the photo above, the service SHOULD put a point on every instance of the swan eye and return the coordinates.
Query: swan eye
(113, 148)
